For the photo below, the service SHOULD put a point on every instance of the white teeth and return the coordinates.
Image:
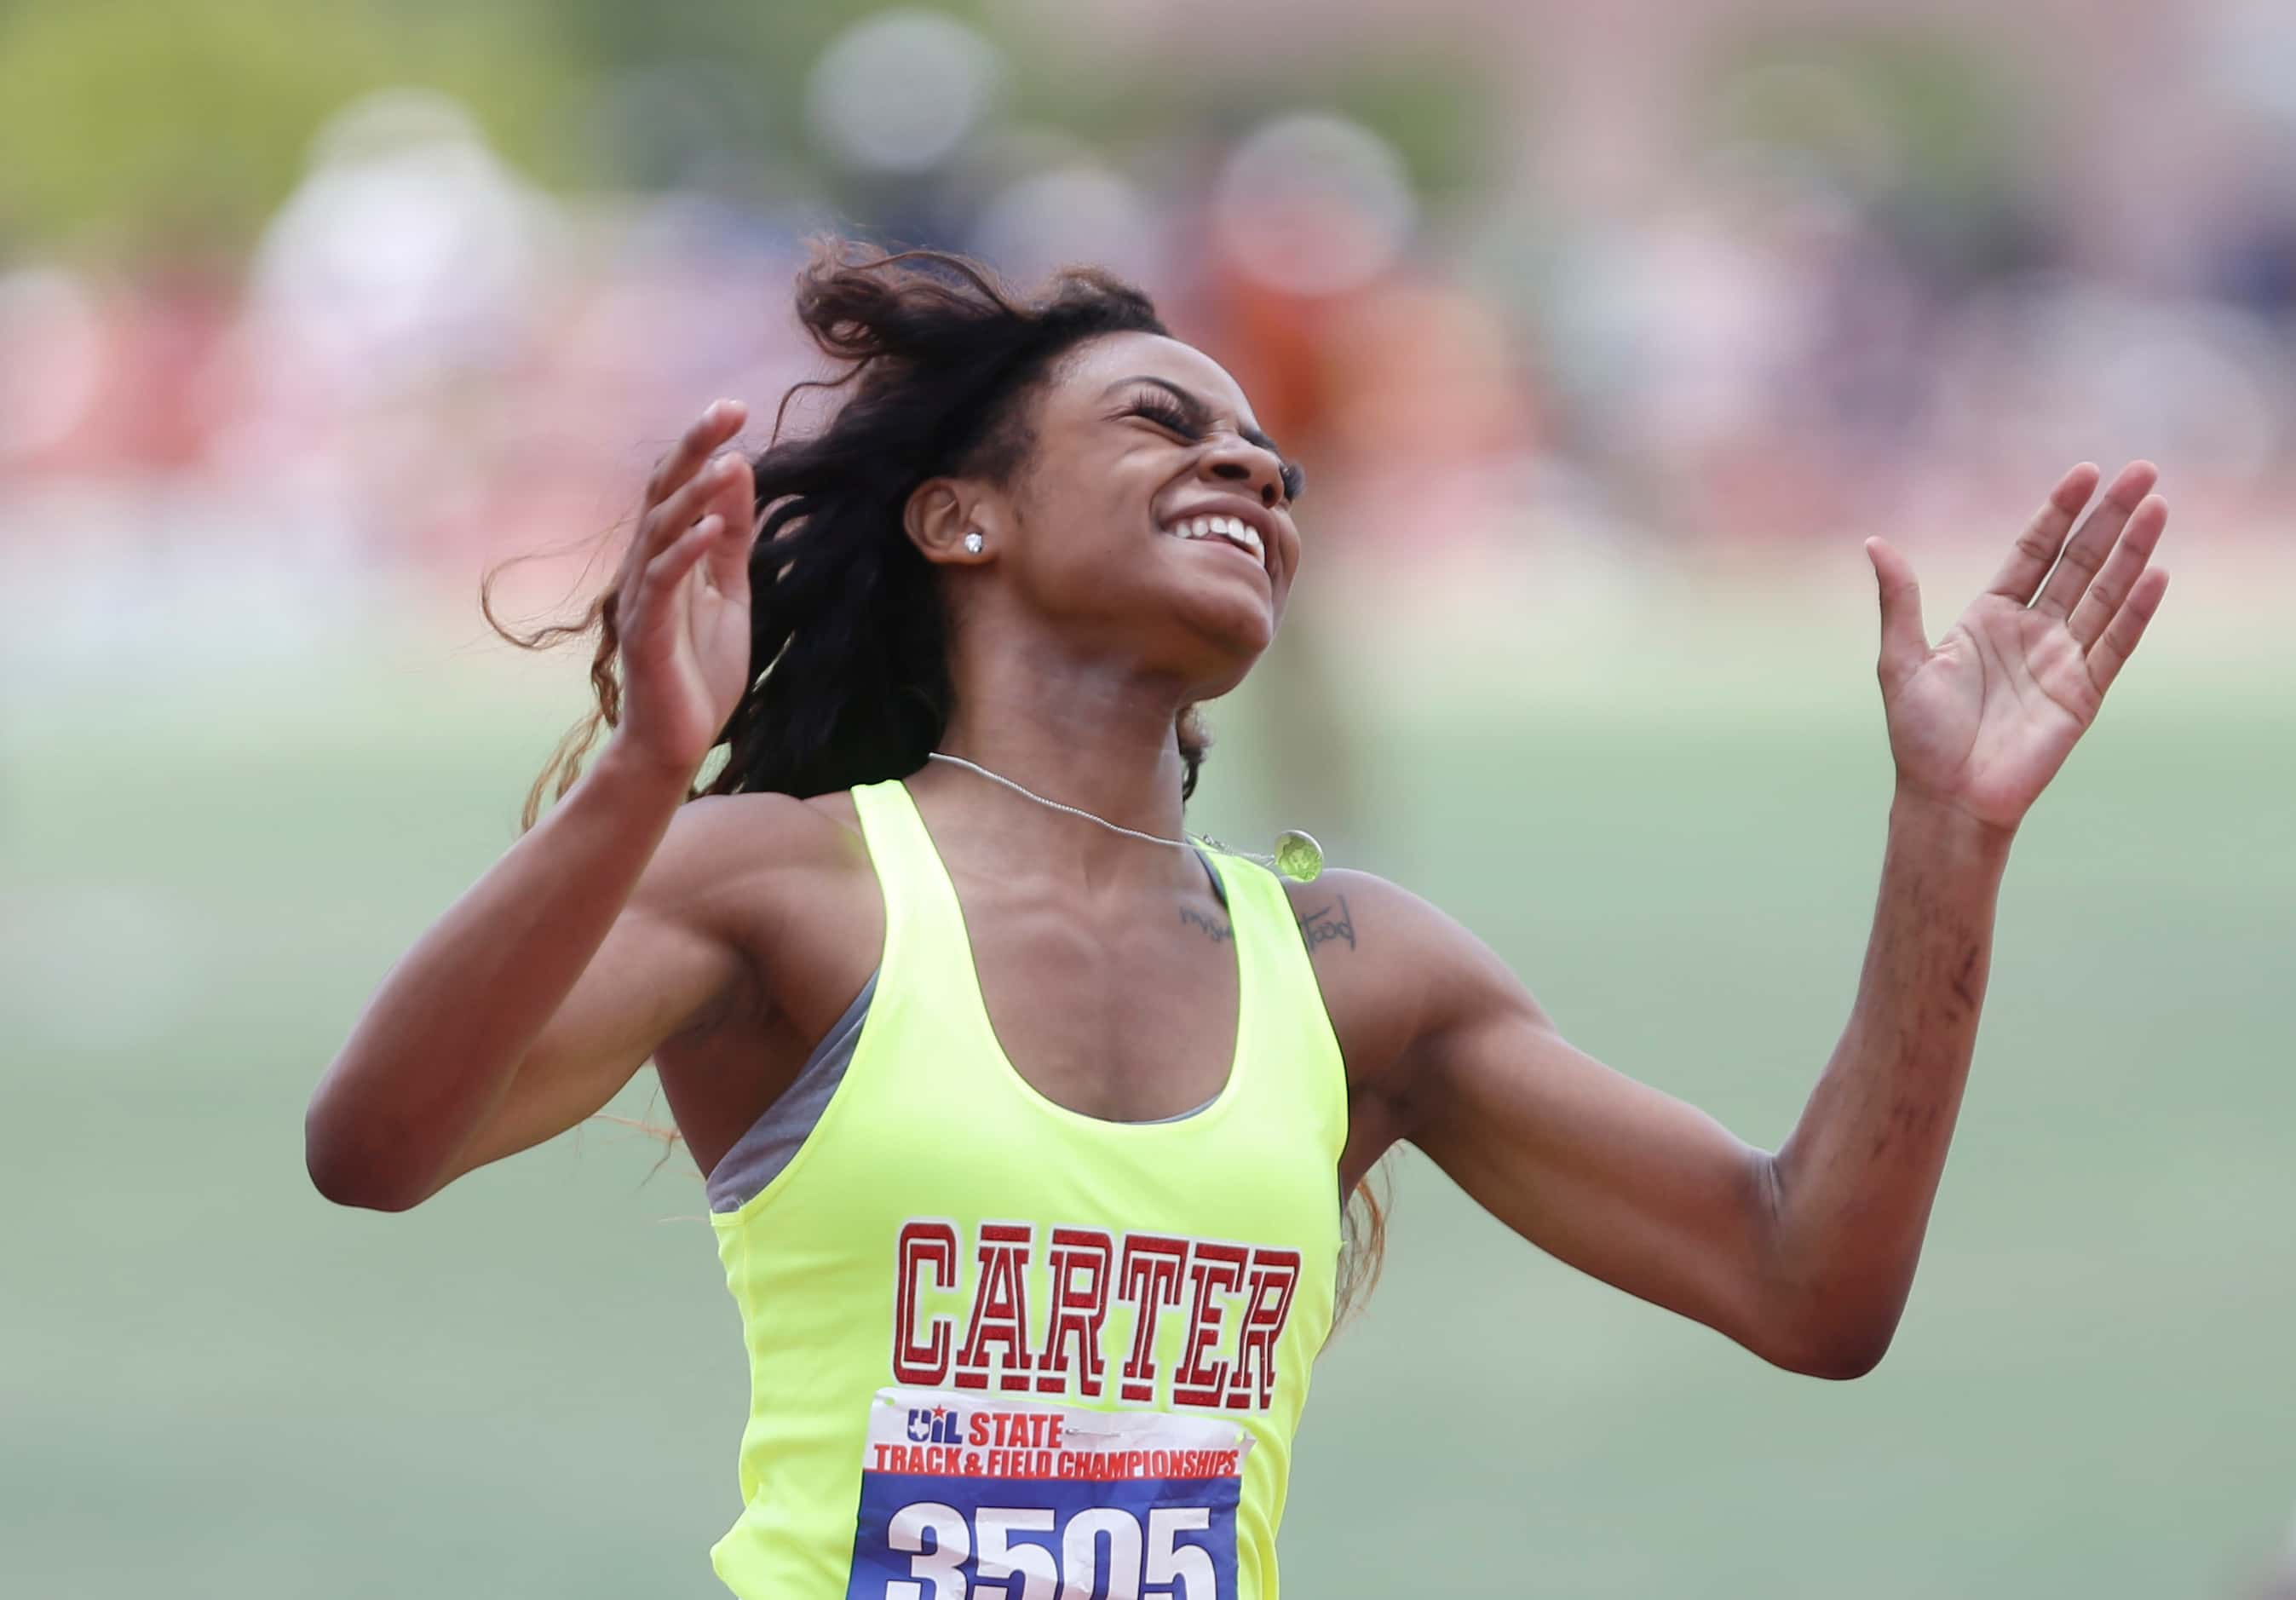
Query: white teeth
(1235, 529)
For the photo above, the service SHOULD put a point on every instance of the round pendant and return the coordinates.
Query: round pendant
(1299, 856)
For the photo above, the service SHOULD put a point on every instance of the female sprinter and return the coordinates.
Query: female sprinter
(1027, 1126)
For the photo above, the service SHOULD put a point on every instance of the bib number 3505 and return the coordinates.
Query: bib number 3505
(1101, 1551)
(962, 1499)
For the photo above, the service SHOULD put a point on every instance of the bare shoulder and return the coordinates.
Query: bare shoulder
(1402, 980)
(785, 885)
(729, 844)
(1353, 920)
(769, 873)
(1391, 965)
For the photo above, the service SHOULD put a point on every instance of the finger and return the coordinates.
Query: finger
(718, 422)
(731, 490)
(729, 557)
(670, 507)
(698, 495)
(658, 589)
(2036, 547)
(734, 502)
(2086, 551)
(1905, 647)
(2126, 628)
(2121, 571)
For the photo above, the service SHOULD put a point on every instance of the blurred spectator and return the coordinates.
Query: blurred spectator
(1826, 287)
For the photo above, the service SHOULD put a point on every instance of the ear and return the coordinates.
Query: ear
(941, 511)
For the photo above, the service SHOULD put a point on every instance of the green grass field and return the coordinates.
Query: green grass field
(216, 1384)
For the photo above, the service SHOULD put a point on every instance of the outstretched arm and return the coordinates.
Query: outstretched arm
(1806, 1256)
(536, 996)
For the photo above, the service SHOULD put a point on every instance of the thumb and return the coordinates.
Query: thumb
(1905, 646)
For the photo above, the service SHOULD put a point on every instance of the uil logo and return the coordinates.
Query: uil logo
(939, 1426)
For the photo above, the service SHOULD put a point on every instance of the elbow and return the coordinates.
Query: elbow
(345, 1184)
(346, 1176)
(1831, 1350)
(1810, 1316)
(1840, 1360)
(362, 1198)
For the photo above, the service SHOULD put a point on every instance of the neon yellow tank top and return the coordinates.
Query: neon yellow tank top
(1001, 1348)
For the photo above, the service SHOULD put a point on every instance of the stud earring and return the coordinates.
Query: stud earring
(972, 544)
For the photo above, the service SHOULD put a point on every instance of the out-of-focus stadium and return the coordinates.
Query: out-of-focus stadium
(1606, 333)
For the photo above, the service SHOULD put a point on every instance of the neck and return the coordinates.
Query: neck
(1080, 731)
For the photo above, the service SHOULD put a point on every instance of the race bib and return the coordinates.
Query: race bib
(964, 1499)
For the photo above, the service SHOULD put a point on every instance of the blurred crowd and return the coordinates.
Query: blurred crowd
(1524, 283)
(1837, 289)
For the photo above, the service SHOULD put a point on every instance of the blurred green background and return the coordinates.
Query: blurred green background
(219, 1384)
(1605, 330)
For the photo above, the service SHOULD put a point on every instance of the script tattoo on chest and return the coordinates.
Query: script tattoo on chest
(1220, 932)
(1329, 922)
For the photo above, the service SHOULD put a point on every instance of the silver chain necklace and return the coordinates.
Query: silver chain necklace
(1297, 855)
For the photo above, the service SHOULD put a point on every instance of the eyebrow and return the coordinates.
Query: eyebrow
(1196, 407)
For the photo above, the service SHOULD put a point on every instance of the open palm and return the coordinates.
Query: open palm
(1983, 721)
(682, 600)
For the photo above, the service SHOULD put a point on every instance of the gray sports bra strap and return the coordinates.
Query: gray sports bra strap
(758, 1156)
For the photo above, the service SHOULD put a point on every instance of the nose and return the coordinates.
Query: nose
(1237, 460)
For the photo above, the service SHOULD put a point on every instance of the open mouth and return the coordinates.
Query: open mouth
(1231, 531)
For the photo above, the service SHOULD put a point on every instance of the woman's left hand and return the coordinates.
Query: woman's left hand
(1982, 722)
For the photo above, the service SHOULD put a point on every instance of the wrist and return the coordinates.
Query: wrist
(1948, 828)
(636, 777)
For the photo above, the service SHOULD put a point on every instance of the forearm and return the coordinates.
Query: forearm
(1852, 1186)
(442, 1038)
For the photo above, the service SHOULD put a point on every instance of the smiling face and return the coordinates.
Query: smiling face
(1148, 517)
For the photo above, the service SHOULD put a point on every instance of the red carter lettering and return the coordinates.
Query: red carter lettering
(925, 1246)
(1215, 1269)
(1000, 1311)
(1080, 1263)
(1266, 1307)
(1148, 1281)
(1086, 1272)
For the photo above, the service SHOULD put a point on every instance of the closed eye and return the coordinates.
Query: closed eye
(1167, 414)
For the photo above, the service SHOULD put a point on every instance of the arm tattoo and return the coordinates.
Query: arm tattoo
(1328, 922)
(1321, 926)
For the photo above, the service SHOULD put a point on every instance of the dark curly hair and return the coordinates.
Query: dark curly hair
(848, 646)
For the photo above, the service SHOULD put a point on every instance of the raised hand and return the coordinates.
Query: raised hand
(1983, 721)
(682, 605)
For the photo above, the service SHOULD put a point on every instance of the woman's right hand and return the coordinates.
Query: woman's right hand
(682, 605)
